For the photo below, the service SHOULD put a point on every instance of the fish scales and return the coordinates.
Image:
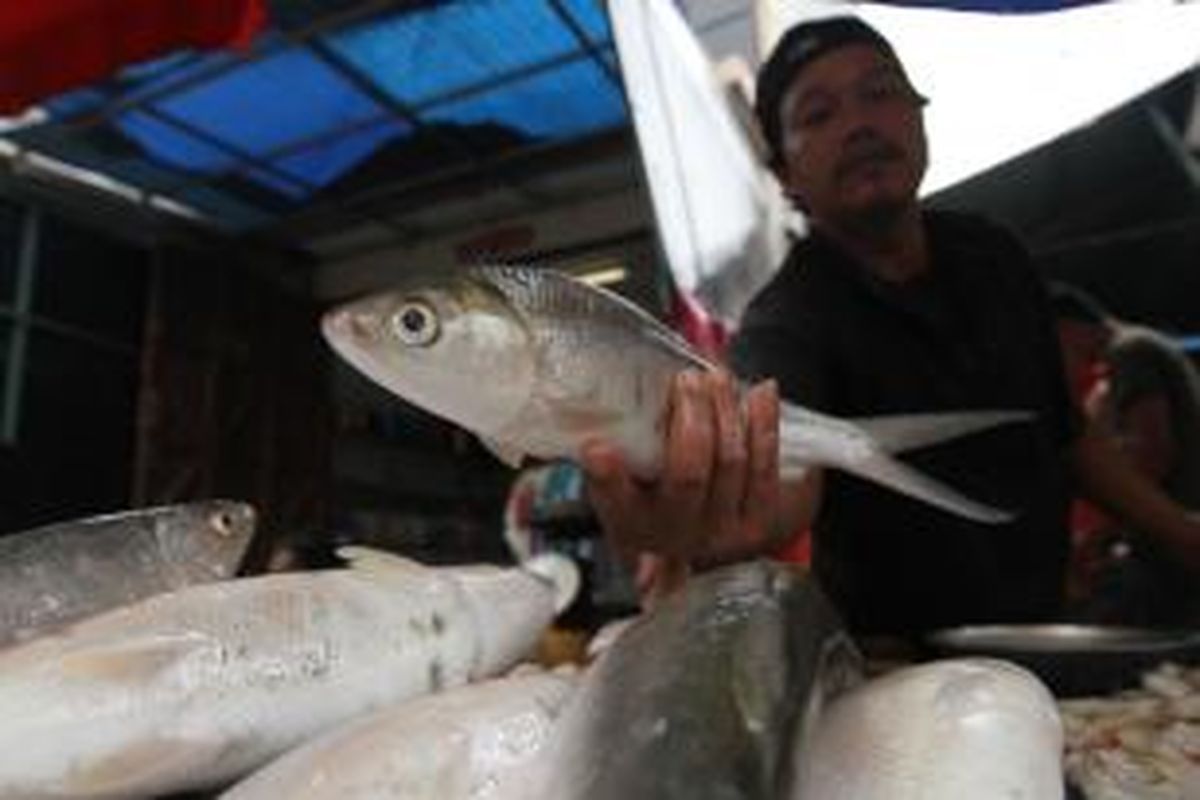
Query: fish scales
(598, 358)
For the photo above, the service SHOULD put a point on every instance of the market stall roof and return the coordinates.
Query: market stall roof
(336, 126)
(332, 99)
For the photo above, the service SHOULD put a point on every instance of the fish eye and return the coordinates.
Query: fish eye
(222, 523)
(416, 324)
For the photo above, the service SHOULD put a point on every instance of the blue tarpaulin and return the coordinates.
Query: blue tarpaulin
(334, 87)
(245, 139)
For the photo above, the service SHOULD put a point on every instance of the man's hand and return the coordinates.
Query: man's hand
(719, 488)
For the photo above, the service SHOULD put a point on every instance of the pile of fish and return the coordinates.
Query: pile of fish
(195, 688)
(744, 687)
(1142, 743)
(389, 679)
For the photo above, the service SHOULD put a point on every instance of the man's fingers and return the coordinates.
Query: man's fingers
(613, 496)
(762, 426)
(729, 481)
(688, 459)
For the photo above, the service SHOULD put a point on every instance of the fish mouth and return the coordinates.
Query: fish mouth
(341, 324)
(350, 332)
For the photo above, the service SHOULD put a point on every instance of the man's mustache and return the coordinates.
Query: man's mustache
(866, 151)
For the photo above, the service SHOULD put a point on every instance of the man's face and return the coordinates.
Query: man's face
(853, 137)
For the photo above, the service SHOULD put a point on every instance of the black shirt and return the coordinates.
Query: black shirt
(975, 332)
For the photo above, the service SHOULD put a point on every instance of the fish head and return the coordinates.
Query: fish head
(452, 344)
(511, 607)
(206, 540)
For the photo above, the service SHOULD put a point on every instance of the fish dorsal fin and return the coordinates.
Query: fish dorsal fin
(370, 559)
(510, 454)
(134, 661)
(141, 767)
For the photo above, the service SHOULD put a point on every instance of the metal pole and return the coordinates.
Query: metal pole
(18, 344)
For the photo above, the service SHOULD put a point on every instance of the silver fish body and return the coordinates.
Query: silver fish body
(523, 358)
(55, 574)
(703, 697)
(537, 363)
(945, 730)
(475, 742)
(199, 687)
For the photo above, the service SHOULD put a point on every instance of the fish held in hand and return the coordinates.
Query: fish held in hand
(56, 574)
(196, 688)
(537, 363)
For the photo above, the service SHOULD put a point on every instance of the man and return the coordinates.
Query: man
(1084, 333)
(884, 308)
(1138, 386)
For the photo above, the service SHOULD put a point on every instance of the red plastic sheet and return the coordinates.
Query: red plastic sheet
(50, 46)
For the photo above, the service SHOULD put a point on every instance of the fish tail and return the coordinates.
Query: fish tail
(559, 573)
(900, 432)
(863, 446)
(881, 468)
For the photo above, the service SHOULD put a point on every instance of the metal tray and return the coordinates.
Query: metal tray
(1074, 659)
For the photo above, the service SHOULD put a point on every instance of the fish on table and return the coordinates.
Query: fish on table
(196, 688)
(744, 686)
(475, 742)
(946, 730)
(703, 697)
(58, 573)
(536, 363)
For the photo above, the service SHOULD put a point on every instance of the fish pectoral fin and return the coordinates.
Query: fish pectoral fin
(510, 454)
(143, 768)
(134, 661)
(900, 477)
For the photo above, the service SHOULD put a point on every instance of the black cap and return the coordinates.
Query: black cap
(803, 44)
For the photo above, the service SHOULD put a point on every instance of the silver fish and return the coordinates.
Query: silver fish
(55, 574)
(193, 689)
(945, 730)
(706, 696)
(536, 363)
(468, 743)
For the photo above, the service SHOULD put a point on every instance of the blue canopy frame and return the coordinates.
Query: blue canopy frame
(247, 138)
